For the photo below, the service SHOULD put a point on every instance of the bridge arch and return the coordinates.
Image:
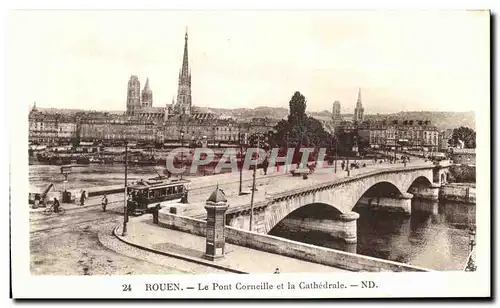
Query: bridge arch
(420, 181)
(345, 195)
(288, 207)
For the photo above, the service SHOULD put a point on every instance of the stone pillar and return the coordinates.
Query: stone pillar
(344, 227)
(426, 205)
(401, 203)
(429, 193)
(216, 207)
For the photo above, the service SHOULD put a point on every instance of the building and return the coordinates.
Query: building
(412, 134)
(463, 156)
(133, 95)
(359, 111)
(336, 118)
(50, 128)
(444, 139)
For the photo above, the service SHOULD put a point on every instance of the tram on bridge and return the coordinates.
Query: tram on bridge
(145, 195)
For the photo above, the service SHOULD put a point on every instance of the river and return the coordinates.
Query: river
(438, 241)
(95, 175)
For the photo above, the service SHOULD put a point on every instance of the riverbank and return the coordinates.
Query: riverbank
(462, 174)
(459, 192)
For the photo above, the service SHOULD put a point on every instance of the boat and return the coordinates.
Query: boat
(82, 160)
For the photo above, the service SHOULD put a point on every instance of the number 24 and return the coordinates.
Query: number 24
(126, 287)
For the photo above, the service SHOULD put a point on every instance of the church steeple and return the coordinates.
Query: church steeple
(147, 95)
(185, 65)
(183, 104)
(358, 101)
(359, 110)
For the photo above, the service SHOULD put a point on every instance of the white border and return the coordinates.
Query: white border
(439, 284)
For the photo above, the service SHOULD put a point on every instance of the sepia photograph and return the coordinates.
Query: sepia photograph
(161, 144)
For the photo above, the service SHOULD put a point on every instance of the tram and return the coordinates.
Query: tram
(147, 194)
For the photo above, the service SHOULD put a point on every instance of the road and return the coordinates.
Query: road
(72, 244)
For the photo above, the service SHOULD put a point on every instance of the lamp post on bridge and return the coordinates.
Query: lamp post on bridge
(471, 266)
(125, 193)
(253, 184)
(241, 164)
(182, 152)
(336, 153)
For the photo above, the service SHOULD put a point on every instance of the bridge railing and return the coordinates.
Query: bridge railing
(354, 176)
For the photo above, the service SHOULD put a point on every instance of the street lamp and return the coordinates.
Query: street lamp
(125, 207)
(253, 183)
(472, 237)
(241, 163)
(182, 152)
(471, 266)
(336, 153)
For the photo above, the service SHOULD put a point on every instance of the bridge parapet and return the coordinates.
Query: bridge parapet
(328, 184)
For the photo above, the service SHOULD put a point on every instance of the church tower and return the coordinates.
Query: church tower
(133, 95)
(359, 110)
(147, 95)
(183, 104)
(336, 112)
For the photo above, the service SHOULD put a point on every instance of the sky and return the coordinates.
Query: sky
(401, 60)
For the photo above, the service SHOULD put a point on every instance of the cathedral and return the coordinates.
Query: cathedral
(358, 117)
(140, 104)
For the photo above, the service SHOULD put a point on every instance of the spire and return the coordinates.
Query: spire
(358, 102)
(185, 66)
(146, 86)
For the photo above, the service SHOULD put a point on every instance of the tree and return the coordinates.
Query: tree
(300, 130)
(465, 134)
(75, 141)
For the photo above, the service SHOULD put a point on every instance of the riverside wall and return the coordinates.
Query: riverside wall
(298, 250)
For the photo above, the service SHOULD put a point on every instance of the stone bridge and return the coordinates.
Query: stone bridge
(390, 188)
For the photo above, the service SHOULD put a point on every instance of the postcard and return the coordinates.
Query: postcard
(249, 154)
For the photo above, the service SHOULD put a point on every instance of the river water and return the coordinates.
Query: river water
(96, 175)
(437, 240)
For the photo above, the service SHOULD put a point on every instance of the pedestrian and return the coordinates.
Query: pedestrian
(104, 203)
(37, 201)
(265, 165)
(342, 165)
(82, 198)
(56, 205)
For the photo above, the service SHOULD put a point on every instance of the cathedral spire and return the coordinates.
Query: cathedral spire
(185, 65)
(146, 86)
(359, 111)
(183, 102)
(358, 102)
